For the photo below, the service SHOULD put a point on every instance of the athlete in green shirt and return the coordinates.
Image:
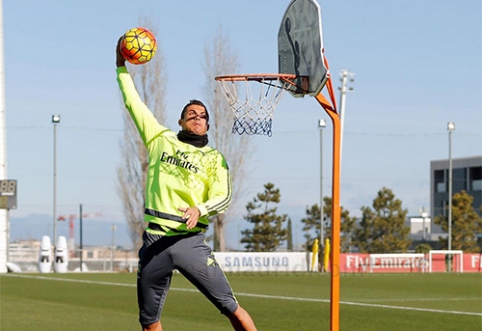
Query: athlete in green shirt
(187, 181)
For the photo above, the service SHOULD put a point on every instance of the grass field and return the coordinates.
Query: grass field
(277, 302)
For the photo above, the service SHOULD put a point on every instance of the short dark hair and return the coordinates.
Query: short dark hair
(195, 102)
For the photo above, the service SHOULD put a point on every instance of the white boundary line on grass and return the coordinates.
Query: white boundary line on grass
(423, 299)
(260, 296)
(363, 304)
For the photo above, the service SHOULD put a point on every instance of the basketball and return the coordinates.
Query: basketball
(138, 45)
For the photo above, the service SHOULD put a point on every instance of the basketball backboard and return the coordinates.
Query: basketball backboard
(300, 47)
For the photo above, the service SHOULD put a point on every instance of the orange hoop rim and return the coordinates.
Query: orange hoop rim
(287, 81)
(257, 77)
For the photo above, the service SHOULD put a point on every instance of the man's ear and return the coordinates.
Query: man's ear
(207, 127)
(180, 122)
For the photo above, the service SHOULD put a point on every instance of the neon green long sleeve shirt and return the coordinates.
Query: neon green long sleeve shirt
(179, 174)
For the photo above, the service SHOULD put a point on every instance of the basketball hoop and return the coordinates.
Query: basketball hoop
(253, 105)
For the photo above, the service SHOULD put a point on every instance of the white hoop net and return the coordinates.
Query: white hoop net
(253, 100)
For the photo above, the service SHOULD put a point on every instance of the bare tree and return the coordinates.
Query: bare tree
(220, 59)
(150, 80)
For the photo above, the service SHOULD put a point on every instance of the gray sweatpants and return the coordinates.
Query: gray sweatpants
(189, 254)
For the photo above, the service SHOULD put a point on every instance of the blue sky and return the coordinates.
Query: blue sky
(417, 66)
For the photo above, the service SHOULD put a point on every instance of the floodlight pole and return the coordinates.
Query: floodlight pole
(335, 214)
(81, 247)
(55, 121)
(321, 125)
(450, 128)
(424, 215)
(112, 245)
(345, 75)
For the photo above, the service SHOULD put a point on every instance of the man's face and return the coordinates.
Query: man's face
(195, 120)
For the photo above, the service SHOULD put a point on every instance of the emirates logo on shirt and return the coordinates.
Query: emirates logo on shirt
(179, 160)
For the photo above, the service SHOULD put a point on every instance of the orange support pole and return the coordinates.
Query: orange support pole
(335, 214)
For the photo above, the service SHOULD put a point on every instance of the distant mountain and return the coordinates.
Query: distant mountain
(94, 232)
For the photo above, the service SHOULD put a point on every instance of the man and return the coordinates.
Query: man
(187, 182)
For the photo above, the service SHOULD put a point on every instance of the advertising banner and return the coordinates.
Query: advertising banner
(349, 262)
(266, 262)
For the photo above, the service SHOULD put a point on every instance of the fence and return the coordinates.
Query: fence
(98, 258)
(106, 259)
